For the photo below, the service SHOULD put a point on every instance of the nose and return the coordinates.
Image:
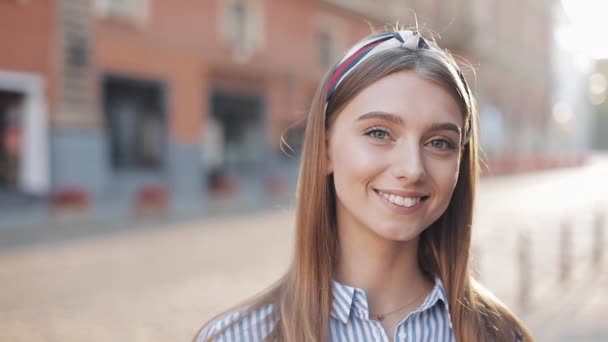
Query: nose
(408, 163)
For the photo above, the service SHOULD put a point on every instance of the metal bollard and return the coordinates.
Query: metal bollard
(565, 252)
(597, 252)
(524, 263)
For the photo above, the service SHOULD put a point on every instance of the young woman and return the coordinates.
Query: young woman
(384, 210)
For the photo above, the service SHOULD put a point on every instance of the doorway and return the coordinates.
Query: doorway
(11, 107)
(236, 132)
(135, 122)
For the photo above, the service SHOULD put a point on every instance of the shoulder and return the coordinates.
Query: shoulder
(243, 325)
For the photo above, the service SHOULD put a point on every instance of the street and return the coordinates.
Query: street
(162, 284)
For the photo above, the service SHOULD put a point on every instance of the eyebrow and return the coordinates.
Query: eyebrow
(383, 116)
(448, 126)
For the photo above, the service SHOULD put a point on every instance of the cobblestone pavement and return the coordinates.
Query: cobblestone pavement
(161, 284)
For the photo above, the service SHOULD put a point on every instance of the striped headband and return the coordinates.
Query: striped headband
(384, 41)
(405, 38)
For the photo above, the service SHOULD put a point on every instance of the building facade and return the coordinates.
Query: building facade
(27, 92)
(127, 103)
(514, 66)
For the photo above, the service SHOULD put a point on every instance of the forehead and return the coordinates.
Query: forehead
(408, 95)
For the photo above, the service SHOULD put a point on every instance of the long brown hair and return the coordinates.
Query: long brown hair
(302, 299)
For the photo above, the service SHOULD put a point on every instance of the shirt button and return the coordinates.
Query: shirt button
(402, 335)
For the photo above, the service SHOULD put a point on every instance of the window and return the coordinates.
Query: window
(239, 17)
(132, 10)
(326, 48)
(329, 37)
(242, 26)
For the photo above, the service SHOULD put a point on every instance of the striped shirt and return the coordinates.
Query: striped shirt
(350, 320)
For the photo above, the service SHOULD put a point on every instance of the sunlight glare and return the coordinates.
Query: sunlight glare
(589, 25)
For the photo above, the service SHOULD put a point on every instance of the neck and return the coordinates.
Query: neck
(387, 271)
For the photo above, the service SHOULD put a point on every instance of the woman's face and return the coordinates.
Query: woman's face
(394, 152)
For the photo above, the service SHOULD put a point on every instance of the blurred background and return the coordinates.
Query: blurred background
(143, 187)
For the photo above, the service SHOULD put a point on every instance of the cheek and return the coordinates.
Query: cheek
(445, 174)
(354, 162)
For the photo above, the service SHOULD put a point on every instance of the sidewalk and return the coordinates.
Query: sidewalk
(161, 281)
(39, 225)
(161, 284)
(575, 312)
(139, 285)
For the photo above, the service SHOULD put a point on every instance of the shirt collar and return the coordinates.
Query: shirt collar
(347, 298)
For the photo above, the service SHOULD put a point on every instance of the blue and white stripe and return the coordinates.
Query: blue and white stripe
(349, 321)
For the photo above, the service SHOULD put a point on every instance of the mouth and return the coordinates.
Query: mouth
(408, 201)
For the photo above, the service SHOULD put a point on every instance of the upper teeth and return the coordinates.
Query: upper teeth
(401, 201)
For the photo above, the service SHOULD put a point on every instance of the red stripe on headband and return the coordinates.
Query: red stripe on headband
(345, 66)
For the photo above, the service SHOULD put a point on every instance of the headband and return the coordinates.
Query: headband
(357, 54)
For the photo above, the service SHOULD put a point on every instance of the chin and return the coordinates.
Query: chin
(399, 233)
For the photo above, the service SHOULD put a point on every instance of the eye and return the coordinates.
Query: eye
(378, 132)
(442, 144)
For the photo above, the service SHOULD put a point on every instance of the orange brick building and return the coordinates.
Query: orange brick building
(27, 92)
(146, 99)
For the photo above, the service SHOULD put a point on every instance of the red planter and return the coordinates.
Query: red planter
(152, 199)
(71, 198)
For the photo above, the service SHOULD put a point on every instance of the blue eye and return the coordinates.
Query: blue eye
(442, 144)
(379, 133)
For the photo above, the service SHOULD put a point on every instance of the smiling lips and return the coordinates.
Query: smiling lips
(406, 202)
